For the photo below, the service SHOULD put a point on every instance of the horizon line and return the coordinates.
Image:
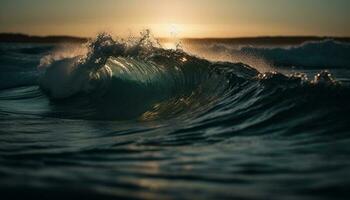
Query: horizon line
(186, 38)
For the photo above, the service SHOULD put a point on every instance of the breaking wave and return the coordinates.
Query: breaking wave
(141, 80)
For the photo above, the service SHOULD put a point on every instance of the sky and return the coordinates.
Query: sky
(180, 18)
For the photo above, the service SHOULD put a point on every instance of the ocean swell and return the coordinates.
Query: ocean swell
(130, 119)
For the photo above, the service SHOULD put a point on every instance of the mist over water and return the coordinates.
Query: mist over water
(138, 119)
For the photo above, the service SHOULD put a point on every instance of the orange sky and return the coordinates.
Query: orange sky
(181, 18)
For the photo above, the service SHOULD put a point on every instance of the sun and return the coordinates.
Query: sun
(174, 30)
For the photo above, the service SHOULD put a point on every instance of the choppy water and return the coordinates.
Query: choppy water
(134, 120)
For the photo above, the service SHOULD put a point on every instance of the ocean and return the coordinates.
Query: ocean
(135, 119)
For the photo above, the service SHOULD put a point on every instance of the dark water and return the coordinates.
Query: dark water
(133, 120)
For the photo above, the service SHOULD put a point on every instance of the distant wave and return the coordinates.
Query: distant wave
(321, 54)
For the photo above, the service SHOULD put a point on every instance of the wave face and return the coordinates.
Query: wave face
(131, 119)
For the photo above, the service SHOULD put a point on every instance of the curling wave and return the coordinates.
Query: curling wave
(119, 80)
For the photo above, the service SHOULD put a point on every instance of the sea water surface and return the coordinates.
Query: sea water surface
(135, 120)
